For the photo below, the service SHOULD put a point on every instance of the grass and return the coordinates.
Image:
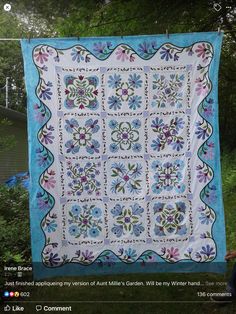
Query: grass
(137, 299)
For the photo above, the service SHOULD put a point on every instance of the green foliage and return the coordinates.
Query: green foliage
(228, 165)
(14, 226)
(11, 64)
(6, 141)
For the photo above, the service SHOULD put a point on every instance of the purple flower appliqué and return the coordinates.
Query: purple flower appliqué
(165, 54)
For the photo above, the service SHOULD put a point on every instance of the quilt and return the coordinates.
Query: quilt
(124, 153)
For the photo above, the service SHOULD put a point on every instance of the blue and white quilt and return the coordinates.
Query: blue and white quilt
(124, 153)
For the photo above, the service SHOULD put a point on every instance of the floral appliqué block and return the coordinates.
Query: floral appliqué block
(170, 219)
(126, 91)
(168, 90)
(82, 136)
(168, 176)
(167, 135)
(83, 178)
(128, 220)
(85, 221)
(125, 135)
(81, 92)
(127, 178)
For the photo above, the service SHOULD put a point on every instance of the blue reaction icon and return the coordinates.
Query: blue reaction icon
(6, 294)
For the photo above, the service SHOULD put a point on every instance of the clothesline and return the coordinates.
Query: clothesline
(10, 39)
(18, 39)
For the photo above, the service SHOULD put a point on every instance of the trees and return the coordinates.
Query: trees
(11, 63)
